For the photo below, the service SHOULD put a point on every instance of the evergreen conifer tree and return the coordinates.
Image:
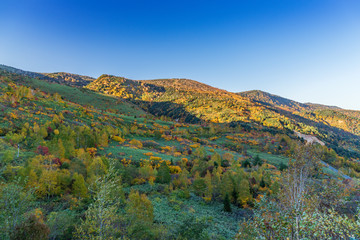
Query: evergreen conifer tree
(227, 206)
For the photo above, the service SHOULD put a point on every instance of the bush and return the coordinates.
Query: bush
(136, 143)
(163, 175)
(257, 161)
(153, 158)
(32, 228)
(118, 139)
(192, 228)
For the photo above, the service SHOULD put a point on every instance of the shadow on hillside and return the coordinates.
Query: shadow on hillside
(334, 139)
(335, 135)
(320, 125)
(168, 109)
(298, 118)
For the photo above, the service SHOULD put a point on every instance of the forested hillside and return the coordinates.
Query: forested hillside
(170, 159)
(194, 102)
(273, 100)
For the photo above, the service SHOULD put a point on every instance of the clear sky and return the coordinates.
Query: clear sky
(306, 50)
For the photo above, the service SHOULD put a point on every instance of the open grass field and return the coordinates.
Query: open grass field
(85, 97)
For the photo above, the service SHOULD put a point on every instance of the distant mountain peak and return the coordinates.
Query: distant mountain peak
(321, 106)
(274, 100)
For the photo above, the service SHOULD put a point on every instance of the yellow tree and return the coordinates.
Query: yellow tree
(209, 187)
(227, 185)
(79, 188)
(104, 140)
(147, 171)
(95, 169)
(32, 179)
(244, 192)
(139, 215)
(48, 184)
(60, 149)
(216, 159)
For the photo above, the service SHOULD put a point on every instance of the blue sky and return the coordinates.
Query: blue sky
(306, 50)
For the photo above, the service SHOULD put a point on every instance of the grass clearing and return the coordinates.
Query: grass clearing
(85, 97)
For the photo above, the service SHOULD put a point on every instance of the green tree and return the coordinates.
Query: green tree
(282, 166)
(101, 218)
(163, 174)
(104, 140)
(246, 164)
(61, 224)
(33, 228)
(299, 211)
(227, 184)
(227, 205)
(7, 158)
(216, 159)
(192, 228)
(258, 161)
(139, 216)
(199, 185)
(14, 202)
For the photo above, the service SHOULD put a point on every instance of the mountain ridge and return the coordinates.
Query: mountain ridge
(194, 102)
(78, 80)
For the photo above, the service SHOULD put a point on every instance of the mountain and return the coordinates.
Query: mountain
(217, 105)
(284, 103)
(194, 102)
(78, 95)
(177, 98)
(69, 79)
(347, 120)
(321, 106)
(274, 100)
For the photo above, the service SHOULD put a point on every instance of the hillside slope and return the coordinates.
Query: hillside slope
(69, 79)
(274, 100)
(194, 102)
(81, 96)
(347, 120)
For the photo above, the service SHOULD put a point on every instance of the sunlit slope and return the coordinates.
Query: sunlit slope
(76, 95)
(194, 102)
(346, 120)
